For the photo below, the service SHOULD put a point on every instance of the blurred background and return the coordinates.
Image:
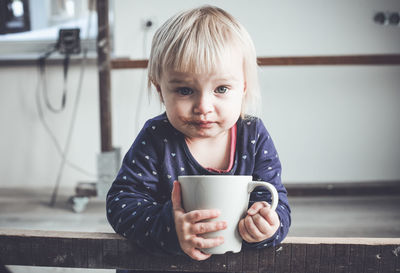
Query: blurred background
(331, 124)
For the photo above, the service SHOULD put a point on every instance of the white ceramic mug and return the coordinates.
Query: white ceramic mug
(230, 195)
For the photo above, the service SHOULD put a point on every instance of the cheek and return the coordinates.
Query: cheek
(235, 102)
(177, 107)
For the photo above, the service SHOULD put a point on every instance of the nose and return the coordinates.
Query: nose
(204, 104)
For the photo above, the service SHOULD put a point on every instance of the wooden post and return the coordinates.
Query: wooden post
(104, 66)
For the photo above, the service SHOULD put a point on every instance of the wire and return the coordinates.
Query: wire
(52, 135)
(69, 137)
(73, 118)
(64, 92)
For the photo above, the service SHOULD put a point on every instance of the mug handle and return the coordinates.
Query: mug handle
(274, 194)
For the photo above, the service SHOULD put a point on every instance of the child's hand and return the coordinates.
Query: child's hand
(190, 225)
(259, 224)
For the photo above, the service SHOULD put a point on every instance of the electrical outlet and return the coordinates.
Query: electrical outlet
(69, 41)
(148, 23)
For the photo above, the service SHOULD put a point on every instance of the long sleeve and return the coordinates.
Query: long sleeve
(267, 167)
(138, 203)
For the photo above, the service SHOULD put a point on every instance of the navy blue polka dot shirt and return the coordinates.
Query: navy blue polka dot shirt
(139, 203)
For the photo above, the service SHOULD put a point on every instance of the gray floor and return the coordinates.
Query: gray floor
(373, 216)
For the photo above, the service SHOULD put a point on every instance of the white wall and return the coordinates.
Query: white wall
(28, 156)
(329, 123)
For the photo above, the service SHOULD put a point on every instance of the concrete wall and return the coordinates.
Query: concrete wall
(329, 123)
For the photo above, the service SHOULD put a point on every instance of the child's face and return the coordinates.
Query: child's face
(207, 104)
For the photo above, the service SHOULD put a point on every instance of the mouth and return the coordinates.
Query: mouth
(201, 123)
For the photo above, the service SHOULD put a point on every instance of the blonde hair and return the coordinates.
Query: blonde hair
(194, 41)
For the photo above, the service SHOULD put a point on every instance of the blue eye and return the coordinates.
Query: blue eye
(221, 90)
(184, 91)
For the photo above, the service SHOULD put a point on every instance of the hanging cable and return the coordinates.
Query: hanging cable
(50, 132)
(42, 80)
(73, 118)
(64, 92)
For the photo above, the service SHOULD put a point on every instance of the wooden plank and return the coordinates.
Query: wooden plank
(388, 262)
(266, 260)
(327, 260)
(181, 263)
(140, 257)
(282, 258)
(342, 256)
(396, 254)
(218, 263)
(234, 261)
(165, 263)
(95, 253)
(80, 253)
(250, 261)
(53, 61)
(126, 252)
(313, 256)
(357, 258)
(65, 256)
(380, 59)
(10, 245)
(384, 59)
(107, 250)
(372, 259)
(110, 253)
(45, 251)
(101, 236)
(298, 258)
(126, 63)
(200, 266)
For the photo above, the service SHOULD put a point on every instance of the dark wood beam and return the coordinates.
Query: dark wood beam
(104, 66)
(391, 59)
(384, 59)
(108, 250)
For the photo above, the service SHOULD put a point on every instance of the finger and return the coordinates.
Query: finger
(248, 237)
(244, 233)
(200, 215)
(270, 215)
(200, 242)
(261, 223)
(205, 227)
(252, 228)
(176, 196)
(255, 208)
(198, 255)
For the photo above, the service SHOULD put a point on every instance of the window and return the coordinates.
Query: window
(14, 16)
(30, 27)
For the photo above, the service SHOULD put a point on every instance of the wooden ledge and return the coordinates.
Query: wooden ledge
(108, 250)
(44, 234)
(373, 59)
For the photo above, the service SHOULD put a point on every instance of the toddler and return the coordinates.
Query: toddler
(204, 68)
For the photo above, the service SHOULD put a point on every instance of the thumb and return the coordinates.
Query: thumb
(176, 196)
